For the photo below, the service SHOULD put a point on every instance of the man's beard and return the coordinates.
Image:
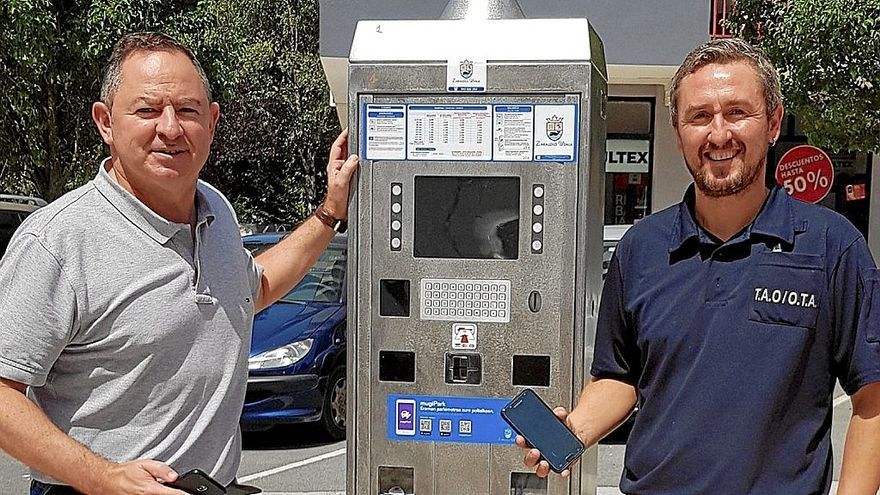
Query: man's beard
(735, 183)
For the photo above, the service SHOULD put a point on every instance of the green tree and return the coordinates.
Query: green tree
(828, 56)
(274, 134)
(49, 78)
(261, 56)
(53, 53)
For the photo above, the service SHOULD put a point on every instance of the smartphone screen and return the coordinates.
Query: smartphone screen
(406, 417)
(534, 420)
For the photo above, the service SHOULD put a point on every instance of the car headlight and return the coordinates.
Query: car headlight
(281, 357)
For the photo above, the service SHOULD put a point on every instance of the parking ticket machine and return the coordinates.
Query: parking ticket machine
(475, 246)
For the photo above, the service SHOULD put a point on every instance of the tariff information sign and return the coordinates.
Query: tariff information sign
(806, 173)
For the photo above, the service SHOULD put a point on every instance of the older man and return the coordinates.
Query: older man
(728, 317)
(126, 305)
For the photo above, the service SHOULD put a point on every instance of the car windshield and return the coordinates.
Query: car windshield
(324, 282)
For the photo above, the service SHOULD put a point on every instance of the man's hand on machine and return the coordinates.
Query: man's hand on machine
(340, 169)
(533, 458)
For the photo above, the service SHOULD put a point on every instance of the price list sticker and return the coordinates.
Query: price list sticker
(449, 132)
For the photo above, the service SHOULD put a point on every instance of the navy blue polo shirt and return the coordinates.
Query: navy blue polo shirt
(734, 347)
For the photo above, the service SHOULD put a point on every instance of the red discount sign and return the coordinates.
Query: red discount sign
(806, 173)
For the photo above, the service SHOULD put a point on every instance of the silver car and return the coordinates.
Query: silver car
(13, 210)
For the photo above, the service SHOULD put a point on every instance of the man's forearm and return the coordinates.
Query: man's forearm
(285, 264)
(602, 407)
(28, 435)
(861, 453)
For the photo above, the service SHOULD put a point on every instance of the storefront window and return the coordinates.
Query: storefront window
(629, 161)
(851, 187)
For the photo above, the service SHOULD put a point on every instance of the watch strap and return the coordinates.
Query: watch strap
(338, 225)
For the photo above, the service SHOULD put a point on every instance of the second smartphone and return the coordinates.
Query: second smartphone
(532, 418)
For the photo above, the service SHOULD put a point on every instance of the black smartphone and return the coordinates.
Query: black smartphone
(198, 482)
(532, 418)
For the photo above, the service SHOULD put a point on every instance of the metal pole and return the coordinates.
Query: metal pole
(482, 9)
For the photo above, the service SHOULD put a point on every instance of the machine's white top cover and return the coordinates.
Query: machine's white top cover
(497, 40)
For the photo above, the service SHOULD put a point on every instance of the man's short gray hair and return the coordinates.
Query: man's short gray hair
(143, 42)
(726, 51)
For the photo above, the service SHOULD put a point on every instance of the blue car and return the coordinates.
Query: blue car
(297, 356)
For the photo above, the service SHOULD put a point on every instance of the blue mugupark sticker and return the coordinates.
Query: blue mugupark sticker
(421, 418)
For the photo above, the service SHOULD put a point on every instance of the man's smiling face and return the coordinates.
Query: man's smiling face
(161, 121)
(723, 129)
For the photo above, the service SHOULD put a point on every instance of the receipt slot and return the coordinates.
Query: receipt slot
(475, 246)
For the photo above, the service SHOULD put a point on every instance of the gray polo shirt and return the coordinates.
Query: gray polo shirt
(132, 336)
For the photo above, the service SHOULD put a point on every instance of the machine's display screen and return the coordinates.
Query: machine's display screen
(466, 217)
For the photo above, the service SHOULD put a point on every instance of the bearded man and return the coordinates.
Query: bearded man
(728, 317)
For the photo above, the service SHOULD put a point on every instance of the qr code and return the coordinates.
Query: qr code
(446, 426)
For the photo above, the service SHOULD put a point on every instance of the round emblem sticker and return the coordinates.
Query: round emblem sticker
(806, 173)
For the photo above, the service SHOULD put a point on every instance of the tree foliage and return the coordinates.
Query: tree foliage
(261, 56)
(49, 78)
(271, 149)
(828, 56)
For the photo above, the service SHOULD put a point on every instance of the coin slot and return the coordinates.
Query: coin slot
(535, 301)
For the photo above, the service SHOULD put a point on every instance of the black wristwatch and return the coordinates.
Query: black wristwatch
(336, 224)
